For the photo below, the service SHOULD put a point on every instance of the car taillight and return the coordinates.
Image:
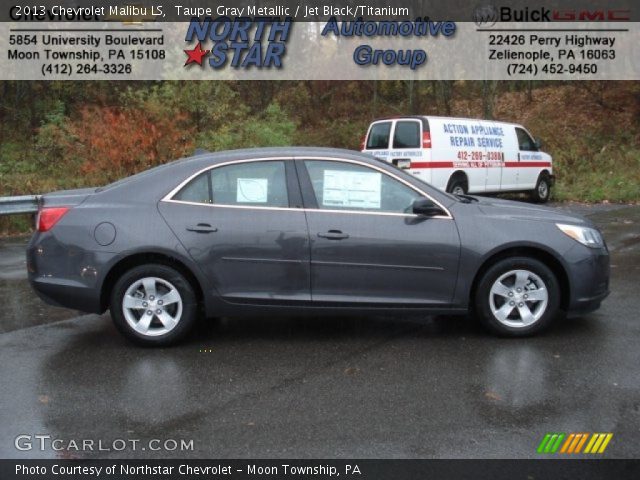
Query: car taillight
(426, 139)
(362, 140)
(49, 216)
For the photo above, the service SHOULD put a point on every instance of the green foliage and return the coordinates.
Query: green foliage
(52, 137)
(612, 173)
(270, 129)
(56, 135)
(16, 224)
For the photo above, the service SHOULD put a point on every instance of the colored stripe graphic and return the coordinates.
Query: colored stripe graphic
(573, 443)
(551, 442)
(450, 164)
(543, 443)
(598, 443)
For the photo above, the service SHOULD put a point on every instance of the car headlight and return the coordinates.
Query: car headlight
(585, 235)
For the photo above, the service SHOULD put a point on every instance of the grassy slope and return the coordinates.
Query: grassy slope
(596, 147)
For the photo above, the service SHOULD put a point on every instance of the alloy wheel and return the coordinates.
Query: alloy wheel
(152, 306)
(518, 298)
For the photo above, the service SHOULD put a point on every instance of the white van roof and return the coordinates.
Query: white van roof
(438, 117)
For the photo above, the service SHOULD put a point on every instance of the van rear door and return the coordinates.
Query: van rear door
(406, 146)
(378, 139)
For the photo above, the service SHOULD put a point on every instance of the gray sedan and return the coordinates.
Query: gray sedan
(292, 230)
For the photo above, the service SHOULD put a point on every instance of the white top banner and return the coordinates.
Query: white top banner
(334, 50)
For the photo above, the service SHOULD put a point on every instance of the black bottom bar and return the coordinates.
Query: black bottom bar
(583, 469)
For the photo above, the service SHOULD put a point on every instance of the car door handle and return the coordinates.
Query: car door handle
(333, 235)
(202, 228)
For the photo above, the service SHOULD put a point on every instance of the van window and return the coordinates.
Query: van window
(379, 136)
(525, 142)
(407, 135)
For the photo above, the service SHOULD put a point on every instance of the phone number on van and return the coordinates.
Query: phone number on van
(477, 156)
(552, 69)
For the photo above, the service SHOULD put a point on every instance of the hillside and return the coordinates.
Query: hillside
(101, 131)
(592, 132)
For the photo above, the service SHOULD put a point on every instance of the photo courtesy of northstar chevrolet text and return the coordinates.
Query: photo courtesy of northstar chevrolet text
(316, 239)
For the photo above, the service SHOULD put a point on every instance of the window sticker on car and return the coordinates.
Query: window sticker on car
(252, 190)
(351, 189)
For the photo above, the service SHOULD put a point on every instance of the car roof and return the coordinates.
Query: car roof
(202, 159)
(293, 151)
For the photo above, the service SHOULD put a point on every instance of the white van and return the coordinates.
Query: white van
(462, 155)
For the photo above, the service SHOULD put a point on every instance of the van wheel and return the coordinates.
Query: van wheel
(153, 305)
(517, 296)
(542, 192)
(457, 186)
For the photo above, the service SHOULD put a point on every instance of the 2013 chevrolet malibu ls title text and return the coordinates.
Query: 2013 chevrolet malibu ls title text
(306, 229)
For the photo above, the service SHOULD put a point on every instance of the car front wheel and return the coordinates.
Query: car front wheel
(517, 296)
(153, 305)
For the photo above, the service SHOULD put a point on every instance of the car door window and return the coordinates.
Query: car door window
(379, 136)
(261, 184)
(406, 135)
(525, 142)
(347, 186)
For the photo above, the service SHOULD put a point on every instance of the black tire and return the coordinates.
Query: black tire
(185, 320)
(458, 183)
(482, 301)
(542, 192)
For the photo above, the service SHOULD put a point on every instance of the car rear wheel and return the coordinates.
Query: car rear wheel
(153, 305)
(542, 192)
(517, 296)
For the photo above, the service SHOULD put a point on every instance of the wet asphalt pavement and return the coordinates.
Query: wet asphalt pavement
(322, 388)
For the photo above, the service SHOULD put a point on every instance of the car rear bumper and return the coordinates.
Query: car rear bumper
(68, 294)
(64, 276)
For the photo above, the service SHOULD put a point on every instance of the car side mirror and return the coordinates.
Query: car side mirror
(537, 144)
(426, 207)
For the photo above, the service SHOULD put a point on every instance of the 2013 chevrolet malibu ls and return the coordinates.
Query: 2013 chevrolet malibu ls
(267, 231)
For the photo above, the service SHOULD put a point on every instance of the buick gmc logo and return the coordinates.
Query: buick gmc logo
(487, 15)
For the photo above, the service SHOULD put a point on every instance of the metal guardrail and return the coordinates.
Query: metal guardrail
(18, 205)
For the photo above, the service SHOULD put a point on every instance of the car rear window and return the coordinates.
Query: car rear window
(260, 183)
(407, 135)
(379, 136)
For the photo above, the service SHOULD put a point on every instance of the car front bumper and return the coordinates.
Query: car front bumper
(589, 273)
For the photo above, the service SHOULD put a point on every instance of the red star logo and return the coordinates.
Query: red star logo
(195, 55)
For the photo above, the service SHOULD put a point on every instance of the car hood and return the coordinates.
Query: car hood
(512, 210)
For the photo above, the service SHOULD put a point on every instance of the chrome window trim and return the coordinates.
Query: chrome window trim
(169, 197)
